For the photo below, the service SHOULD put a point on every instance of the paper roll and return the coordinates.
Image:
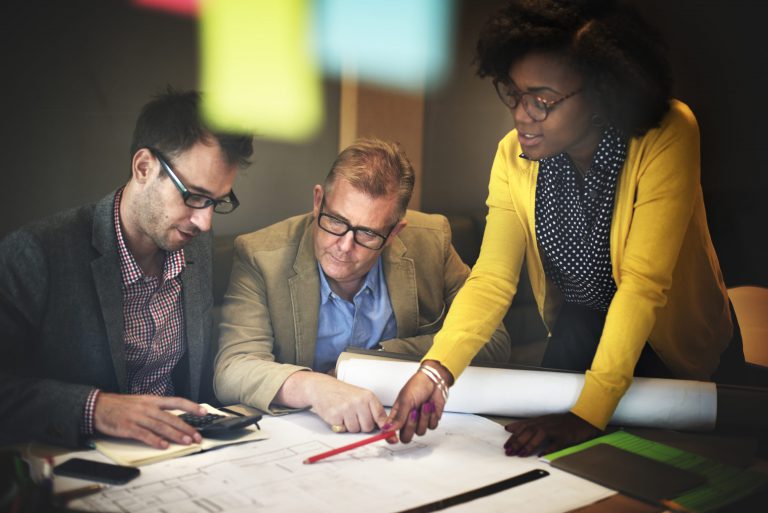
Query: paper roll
(649, 402)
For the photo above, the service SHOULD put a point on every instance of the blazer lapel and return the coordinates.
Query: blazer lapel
(108, 282)
(305, 298)
(192, 290)
(400, 275)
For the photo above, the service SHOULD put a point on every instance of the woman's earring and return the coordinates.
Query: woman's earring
(598, 121)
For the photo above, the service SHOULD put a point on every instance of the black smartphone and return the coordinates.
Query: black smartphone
(96, 471)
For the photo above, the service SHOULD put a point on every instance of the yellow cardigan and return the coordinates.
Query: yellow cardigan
(670, 290)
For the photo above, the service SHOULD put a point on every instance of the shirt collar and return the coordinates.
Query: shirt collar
(371, 282)
(173, 264)
(610, 150)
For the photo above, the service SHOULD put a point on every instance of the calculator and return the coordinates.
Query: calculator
(199, 421)
(213, 425)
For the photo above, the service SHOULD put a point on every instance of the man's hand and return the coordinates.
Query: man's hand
(548, 433)
(143, 418)
(336, 402)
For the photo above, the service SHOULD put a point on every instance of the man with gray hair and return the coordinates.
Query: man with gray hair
(347, 274)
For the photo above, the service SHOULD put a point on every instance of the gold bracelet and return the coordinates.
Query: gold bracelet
(437, 379)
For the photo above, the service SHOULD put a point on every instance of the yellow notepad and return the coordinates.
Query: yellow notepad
(134, 453)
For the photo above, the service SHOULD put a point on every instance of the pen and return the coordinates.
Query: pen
(64, 497)
(674, 506)
(333, 452)
(667, 504)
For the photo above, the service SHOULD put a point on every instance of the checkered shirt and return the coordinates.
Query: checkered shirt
(153, 319)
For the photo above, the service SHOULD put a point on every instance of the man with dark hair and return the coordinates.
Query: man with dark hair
(350, 273)
(105, 309)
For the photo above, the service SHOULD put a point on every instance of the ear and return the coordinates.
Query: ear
(317, 194)
(399, 226)
(142, 164)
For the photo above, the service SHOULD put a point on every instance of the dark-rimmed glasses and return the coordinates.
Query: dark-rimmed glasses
(199, 201)
(536, 107)
(362, 235)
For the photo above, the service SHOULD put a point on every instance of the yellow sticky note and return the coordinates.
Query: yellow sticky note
(258, 70)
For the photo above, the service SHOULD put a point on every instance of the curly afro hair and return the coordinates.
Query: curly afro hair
(621, 58)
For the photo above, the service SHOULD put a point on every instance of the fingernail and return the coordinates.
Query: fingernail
(426, 408)
(414, 415)
(186, 440)
(386, 427)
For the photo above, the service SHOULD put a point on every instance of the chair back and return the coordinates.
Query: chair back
(751, 305)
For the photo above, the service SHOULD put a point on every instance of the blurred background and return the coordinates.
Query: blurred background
(76, 72)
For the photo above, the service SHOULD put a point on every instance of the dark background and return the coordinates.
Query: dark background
(76, 72)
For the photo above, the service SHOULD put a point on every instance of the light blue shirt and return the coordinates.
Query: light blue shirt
(364, 322)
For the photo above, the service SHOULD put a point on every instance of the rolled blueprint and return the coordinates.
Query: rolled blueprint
(649, 402)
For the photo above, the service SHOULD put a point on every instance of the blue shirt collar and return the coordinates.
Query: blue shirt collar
(371, 282)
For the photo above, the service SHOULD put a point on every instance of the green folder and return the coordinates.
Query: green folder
(724, 484)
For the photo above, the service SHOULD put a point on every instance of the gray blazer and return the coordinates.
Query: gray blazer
(270, 312)
(61, 322)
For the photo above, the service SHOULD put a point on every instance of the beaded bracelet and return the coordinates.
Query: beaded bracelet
(437, 379)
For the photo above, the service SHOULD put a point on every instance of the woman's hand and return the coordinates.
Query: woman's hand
(549, 432)
(419, 405)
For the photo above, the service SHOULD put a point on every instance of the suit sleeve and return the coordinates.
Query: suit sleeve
(32, 408)
(245, 370)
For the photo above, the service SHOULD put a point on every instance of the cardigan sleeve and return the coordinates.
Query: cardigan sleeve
(480, 305)
(665, 164)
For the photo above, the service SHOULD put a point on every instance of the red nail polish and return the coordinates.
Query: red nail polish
(414, 414)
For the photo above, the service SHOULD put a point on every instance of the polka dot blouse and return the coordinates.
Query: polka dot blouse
(573, 222)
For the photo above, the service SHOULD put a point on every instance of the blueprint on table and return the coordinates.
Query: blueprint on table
(464, 453)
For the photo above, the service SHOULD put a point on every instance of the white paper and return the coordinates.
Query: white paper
(649, 402)
(464, 453)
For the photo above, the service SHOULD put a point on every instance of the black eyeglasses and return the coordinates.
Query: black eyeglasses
(364, 236)
(220, 206)
(536, 107)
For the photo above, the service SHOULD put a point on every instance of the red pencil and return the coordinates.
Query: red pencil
(333, 452)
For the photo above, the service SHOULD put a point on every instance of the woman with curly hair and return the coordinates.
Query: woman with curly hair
(597, 191)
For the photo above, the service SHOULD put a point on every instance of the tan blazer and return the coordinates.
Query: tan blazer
(270, 311)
